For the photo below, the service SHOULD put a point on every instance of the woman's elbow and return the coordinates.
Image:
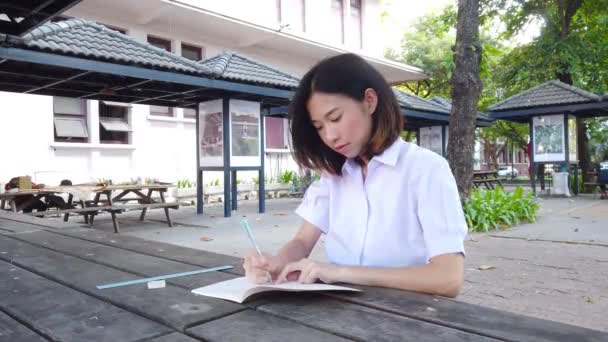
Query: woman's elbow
(450, 287)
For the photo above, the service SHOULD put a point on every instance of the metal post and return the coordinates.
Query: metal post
(199, 172)
(531, 156)
(444, 149)
(234, 190)
(261, 190)
(567, 151)
(226, 136)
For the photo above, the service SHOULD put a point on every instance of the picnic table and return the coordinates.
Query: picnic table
(48, 279)
(489, 179)
(104, 200)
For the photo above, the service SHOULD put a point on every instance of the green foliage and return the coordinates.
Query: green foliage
(215, 182)
(286, 177)
(267, 180)
(485, 210)
(598, 139)
(104, 181)
(428, 46)
(581, 185)
(184, 183)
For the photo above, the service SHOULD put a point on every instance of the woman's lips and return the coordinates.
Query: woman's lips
(340, 148)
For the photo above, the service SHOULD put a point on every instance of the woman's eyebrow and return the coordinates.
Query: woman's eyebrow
(330, 112)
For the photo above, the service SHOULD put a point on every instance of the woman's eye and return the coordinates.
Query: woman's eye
(336, 119)
(319, 128)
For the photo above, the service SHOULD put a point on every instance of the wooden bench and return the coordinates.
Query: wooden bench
(89, 212)
(593, 186)
(489, 183)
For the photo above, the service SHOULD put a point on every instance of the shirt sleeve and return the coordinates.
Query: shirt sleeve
(315, 205)
(440, 211)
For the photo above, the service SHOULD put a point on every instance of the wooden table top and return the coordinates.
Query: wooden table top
(48, 279)
(84, 188)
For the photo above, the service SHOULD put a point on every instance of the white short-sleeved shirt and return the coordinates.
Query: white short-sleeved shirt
(406, 211)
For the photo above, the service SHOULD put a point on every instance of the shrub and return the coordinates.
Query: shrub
(487, 209)
(286, 177)
(184, 183)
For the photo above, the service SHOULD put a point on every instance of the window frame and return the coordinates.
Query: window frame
(117, 137)
(200, 51)
(286, 137)
(82, 117)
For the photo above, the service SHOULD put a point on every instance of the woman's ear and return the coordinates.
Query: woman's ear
(370, 100)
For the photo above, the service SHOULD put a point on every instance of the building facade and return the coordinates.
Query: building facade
(53, 138)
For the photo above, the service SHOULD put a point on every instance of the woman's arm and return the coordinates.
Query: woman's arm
(301, 244)
(442, 276)
(258, 267)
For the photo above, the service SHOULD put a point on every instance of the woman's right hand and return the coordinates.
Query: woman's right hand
(262, 269)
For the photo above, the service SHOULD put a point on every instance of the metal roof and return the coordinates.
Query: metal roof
(232, 66)
(18, 17)
(547, 94)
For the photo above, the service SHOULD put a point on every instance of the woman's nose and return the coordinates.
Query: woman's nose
(331, 134)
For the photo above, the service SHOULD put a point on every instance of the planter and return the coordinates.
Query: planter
(245, 191)
(277, 190)
(185, 192)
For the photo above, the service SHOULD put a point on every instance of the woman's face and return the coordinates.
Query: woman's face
(344, 124)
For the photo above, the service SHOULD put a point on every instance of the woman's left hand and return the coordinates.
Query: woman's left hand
(310, 271)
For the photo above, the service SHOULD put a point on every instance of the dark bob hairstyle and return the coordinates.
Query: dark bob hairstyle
(348, 75)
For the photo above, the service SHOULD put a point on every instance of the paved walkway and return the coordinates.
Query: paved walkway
(555, 268)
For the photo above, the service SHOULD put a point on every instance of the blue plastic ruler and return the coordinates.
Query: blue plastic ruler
(168, 276)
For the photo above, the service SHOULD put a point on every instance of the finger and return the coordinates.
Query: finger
(262, 278)
(289, 268)
(311, 277)
(305, 275)
(260, 261)
(257, 276)
(293, 276)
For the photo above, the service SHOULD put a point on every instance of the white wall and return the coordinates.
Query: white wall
(163, 148)
(318, 18)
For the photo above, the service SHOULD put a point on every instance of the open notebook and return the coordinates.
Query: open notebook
(238, 289)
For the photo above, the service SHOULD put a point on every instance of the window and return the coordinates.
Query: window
(355, 38)
(276, 133)
(70, 120)
(192, 52)
(165, 45)
(292, 13)
(161, 111)
(190, 113)
(114, 125)
(160, 43)
(337, 18)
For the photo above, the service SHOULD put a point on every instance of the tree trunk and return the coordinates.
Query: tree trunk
(466, 88)
(566, 10)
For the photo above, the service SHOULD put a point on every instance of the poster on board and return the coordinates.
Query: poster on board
(211, 135)
(549, 144)
(430, 138)
(572, 137)
(245, 136)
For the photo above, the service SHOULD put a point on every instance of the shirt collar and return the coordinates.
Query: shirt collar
(388, 157)
(391, 154)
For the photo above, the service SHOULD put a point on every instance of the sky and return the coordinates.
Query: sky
(402, 15)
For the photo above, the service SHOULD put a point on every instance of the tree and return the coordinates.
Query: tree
(428, 46)
(572, 47)
(466, 89)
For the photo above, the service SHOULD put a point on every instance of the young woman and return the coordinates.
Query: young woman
(390, 210)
